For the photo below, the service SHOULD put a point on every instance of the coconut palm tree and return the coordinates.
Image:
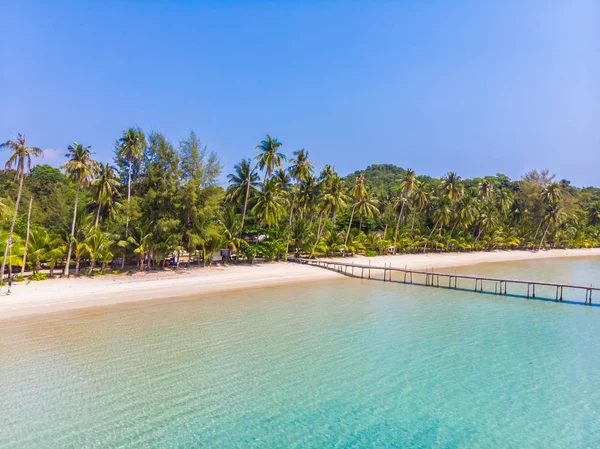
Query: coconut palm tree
(243, 185)
(451, 186)
(486, 190)
(38, 246)
(27, 235)
(139, 242)
(300, 171)
(20, 161)
(406, 187)
(270, 203)
(269, 159)
(594, 213)
(553, 215)
(106, 188)
(357, 193)
(55, 251)
(301, 168)
(284, 179)
(366, 208)
(550, 196)
(131, 145)
(420, 199)
(96, 243)
(80, 168)
(334, 197)
(327, 174)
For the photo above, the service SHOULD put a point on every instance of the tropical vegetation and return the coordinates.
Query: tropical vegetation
(160, 204)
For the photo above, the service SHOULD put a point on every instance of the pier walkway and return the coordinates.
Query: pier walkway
(498, 286)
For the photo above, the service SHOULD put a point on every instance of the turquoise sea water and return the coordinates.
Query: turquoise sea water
(337, 364)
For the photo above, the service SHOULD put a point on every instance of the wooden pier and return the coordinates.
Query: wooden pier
(430, 278)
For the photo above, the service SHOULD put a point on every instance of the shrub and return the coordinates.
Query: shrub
(370, 253)
(116, 272)
(19, 278)
(38, 277)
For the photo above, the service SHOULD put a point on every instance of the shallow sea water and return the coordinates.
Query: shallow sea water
(336, 364)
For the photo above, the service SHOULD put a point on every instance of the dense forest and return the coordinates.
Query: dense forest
(158, 202)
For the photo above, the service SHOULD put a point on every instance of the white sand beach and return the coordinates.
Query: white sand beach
(30, 297)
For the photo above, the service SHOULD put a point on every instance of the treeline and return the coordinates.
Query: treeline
(158, 200)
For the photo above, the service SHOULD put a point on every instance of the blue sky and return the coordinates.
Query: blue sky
(474, 87)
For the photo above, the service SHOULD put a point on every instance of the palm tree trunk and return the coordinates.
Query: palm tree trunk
(349, 225)
(128, 198)
(97, 216)
(544, 236)
(91, 269)
(27, 237)
(12, 228)
(398, 223)
(434, 228)
(537, 231)
(77, 261)
(245, 205)
(66, 271)
(318, 235)
(287, 246)
(412, 225)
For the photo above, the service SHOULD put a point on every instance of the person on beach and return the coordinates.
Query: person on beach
(9, 286)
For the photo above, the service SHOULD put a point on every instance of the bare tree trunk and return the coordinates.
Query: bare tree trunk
(27, 237)
(66, 271)
(12, 228)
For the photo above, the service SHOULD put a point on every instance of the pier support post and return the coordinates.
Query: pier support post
(533, 296)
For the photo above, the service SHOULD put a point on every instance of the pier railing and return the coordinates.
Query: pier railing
(430, 278)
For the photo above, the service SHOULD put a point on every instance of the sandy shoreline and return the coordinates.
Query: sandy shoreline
(66, 294)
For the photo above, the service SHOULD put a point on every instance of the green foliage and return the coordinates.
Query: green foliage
(178, 211)
(38, 277)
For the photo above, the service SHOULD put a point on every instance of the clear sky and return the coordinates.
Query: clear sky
(477, 87)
